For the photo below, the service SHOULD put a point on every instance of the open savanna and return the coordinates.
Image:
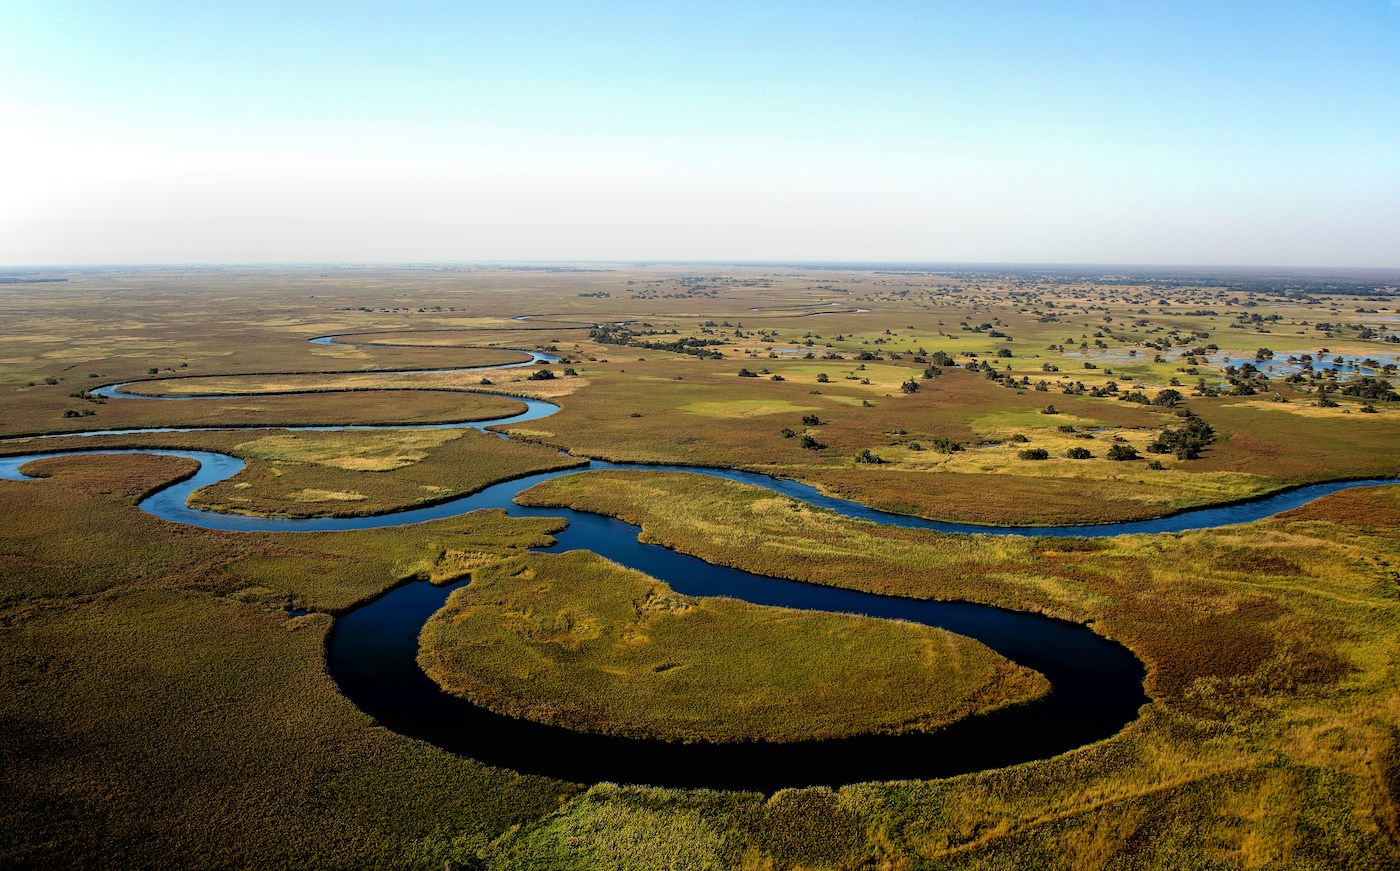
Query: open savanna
(685, 410)
(575, 640)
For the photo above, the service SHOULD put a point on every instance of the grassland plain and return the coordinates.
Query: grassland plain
(712, 417)
(1271, 740)
(578, 641)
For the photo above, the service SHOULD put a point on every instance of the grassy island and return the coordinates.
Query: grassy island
(576, 640)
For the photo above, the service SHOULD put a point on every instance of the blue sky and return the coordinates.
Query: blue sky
(1222, 133)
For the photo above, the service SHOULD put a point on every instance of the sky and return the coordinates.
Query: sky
(1230, 132)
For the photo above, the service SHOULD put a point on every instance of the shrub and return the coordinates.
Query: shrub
(810, 443)
(1187, 441)
(1079, 454)
(1019, 439)
(1120, 451)
(1167, 398)
(745, 373)
(810, 420)
(1049, 409)
(1034, 454)
(946, 445)
(866, 456)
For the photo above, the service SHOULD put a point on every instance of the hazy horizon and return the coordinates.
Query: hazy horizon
(1250, 135)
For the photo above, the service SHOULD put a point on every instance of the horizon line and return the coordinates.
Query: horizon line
(978, 265)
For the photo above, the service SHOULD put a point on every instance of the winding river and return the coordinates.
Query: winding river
(371, 651)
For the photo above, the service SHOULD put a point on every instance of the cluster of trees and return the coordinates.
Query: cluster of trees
(619, 335)
(1187, 441)
(1371, 387)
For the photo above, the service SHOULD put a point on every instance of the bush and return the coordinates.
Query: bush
(542, 375)
(1187, 441)
(910, 386)
(810, 443)
(744, 373)
(810, 420)
(946, 445)
(1120, 451)
(1019, 439)
(866, 456)
(1079, 454)
(822, 379)
(1034, 454)
(1049, 409)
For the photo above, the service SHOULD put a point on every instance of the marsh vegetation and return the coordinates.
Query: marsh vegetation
(162, 707)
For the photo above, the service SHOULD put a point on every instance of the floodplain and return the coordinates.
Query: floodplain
(167, 701)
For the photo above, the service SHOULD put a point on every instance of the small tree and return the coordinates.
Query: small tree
(1049, 409)
(1034, 454)
(910, 386)
(1079, 454)
(822, 379)
(1120, 451)
(866, 456)
(811, 443)
(811, 420)
(1167, 398)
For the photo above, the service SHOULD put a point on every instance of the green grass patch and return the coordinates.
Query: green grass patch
(578, 641)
